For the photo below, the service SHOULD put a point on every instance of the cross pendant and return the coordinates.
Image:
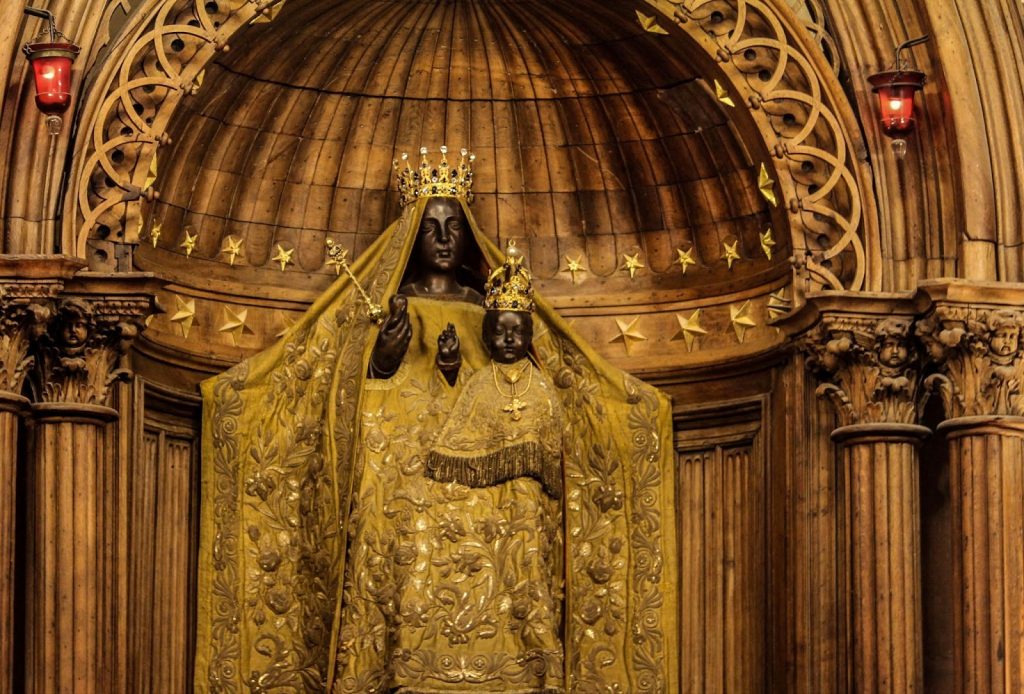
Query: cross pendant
(515, 408)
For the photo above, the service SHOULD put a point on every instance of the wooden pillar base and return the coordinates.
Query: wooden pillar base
(986, 459)
(70, 625)
(885, 554)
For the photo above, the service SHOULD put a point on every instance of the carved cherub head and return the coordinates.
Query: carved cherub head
(891, 343)
(73, 326)
(1003, 335)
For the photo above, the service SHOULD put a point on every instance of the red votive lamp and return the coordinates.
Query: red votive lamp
(51, 63)
(896, 89)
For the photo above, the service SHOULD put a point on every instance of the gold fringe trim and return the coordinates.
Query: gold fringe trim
(521, 460)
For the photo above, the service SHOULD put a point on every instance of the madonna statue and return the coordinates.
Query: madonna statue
(459, 497)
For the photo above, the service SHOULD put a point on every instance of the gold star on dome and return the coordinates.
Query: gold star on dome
(649, 23)
(189, 244)
(741, 319)
(631, 263)
(283, 257)
(689, 329)
(722, 95)
(767, 241)
(730, 253)
(685, 258)
(233, 248)
(628, 333)
(234, 324)
(574, 265)
(779, 303)
(766, 184)
(154, 234)
(151, 175)
(185, 314)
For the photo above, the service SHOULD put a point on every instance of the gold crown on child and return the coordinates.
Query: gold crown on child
(429, 180)
(509, 287)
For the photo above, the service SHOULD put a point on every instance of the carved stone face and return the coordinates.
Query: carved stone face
(74, 331)
(1005, 340)
(508, 335)
(893, 352)
(441, 243)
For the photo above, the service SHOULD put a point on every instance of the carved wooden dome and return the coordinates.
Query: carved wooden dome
(593, 137)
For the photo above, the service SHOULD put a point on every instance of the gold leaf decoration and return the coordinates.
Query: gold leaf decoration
(741, 319)
(649, 23)
(723, 95)
(185, 314)
(631, 263)
(766, 184)
(689, 329)
(574, 265)
(628, 334)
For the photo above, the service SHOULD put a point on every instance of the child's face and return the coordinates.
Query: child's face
(508, 335)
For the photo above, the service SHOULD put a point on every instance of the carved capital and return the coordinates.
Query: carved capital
(978, 351)
(93, 325)
(870, 367)
(29, 285)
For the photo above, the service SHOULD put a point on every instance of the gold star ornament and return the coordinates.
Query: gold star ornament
(184, 315)
(722, 95)
(232, 248)
(685, 258)
(189, 244)
(631, 263)
(741, 319)
(283, 257)
(779, 303)
(154, 234)
(730, 252)
(234, 324)
(649, 24)
(767, 241)
(337, 256)
(689, 329)
(628, 334)
(574, 265)
(766, 184)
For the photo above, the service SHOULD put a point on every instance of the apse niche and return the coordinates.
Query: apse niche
(593, 138)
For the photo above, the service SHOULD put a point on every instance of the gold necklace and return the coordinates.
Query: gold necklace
(515, 405)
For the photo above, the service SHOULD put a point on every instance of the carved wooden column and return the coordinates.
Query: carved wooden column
(974, 333)
(28, 286)
(863, 349)
(72, 595)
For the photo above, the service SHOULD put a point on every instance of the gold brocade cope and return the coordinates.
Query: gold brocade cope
(487, 439)
(289, 436)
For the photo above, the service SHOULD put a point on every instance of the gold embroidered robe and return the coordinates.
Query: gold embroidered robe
(284, 434)
(448, 588)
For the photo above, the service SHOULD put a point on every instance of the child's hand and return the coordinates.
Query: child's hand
(448, 346)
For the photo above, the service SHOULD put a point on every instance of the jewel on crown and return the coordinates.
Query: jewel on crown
(429, 180)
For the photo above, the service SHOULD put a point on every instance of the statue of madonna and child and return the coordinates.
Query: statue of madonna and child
(459, 496)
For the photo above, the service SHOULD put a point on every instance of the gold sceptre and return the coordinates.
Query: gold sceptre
(338, 258)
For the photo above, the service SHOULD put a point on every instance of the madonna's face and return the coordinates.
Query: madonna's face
(508, 335)
(441, 243)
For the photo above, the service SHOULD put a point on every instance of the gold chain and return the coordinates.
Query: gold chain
(515, 405)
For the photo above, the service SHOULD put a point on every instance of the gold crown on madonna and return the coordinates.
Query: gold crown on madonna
(428, 180)
(509, 287)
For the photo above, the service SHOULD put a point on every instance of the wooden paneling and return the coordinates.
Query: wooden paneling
(163, 540)
(724, 551)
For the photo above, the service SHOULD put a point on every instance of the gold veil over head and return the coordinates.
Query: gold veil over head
(281, 443)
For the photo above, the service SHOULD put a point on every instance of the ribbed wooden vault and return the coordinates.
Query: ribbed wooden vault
(592, 137)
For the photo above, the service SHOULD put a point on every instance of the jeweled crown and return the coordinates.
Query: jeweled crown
(509, 287)
(430, 181)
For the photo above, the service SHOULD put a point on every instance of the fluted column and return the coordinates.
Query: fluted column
(28, 286)
(72, 598)
(862, 348)
(974, 334)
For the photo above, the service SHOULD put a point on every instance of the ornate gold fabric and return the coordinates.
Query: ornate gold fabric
(487, 439)
(292, 438)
